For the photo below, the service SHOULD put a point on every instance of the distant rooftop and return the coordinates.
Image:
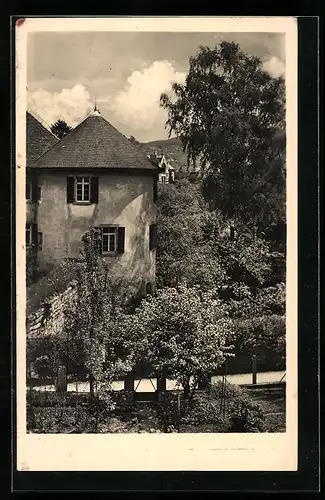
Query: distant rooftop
(38, 139)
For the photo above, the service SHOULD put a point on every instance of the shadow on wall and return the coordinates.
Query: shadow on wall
(139, 260)
(117, 204)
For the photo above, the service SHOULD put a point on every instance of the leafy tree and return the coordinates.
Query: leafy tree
(265, 301)
(134, 141)
(95, 325)
(183, 254)
(245, 257)
(182, 333)
(262, 335)
(196, 246)
(229, 115)
(60, 128)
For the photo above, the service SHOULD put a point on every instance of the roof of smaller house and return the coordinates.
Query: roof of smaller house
(157, 161)
(154, 160)
(38, 139)
(94, 143)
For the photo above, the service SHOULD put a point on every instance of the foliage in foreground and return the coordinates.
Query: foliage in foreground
(240, 412)
(223, 408)
(182, 333)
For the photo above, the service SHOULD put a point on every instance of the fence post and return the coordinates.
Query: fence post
(161, 384)
(178, 412)
(129, 384)
(61, 384)
(254, 368)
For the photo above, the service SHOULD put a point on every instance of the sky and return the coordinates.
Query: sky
(125, 72)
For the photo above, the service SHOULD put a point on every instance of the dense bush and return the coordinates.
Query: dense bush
(258, 334)
(228, 407)
(50, 412)
(223, 408)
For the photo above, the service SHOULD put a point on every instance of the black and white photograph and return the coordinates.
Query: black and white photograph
(153, 164)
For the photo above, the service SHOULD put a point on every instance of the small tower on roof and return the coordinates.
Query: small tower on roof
(95, 111)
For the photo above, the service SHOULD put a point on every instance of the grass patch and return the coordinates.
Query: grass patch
(273, 401)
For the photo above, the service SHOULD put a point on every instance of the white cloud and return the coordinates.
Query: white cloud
(138, 103)
(69, 104)
(274, 66)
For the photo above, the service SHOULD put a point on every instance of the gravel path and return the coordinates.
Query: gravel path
(149, 385)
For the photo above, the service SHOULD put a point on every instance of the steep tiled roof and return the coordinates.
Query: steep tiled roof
(94, 143)
(38, 139)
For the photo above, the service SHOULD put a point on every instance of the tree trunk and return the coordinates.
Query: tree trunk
(186, 390)
(204, 382)
(91, 385)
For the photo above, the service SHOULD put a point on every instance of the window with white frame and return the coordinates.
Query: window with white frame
(28, 235)
(109, 239)
(82, 189)
(163, 179)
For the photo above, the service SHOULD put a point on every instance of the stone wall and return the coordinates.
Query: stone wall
(48, 320)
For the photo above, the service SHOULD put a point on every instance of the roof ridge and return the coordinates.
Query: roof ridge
(49, 149)
(40, 120)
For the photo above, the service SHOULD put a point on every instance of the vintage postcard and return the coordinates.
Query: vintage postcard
(156, 203)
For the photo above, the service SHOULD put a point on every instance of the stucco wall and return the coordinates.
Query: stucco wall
(125, 199)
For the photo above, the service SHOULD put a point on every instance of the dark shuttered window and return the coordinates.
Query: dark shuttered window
(35, 190)
(34, 234)
(152, 236)
(94, 190)
(111, 240)
(70, 189)
(82, 189)
(28, 189)
(120, 239)
(31, 234)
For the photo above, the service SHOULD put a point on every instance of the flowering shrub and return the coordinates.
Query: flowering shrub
(182, 332)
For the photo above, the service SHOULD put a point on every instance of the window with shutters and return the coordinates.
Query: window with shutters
(33, 191)
(28, 189)
(28, 235)
(112, 239)
(33, 238)
(82, 189)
